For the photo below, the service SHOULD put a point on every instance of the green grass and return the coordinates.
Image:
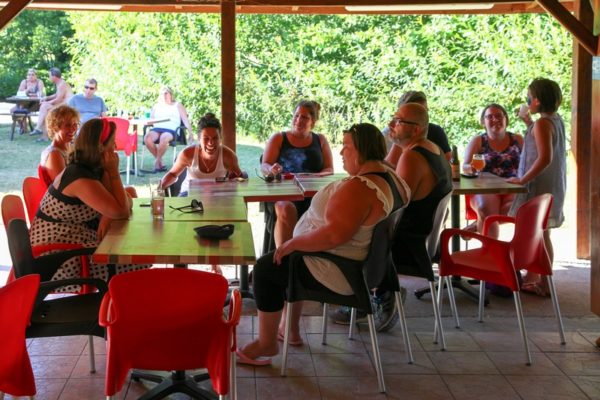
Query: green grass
(20, 158)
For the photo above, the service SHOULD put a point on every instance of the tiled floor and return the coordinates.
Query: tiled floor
(482, 361)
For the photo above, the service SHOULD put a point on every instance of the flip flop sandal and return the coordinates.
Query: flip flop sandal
(295, 343)
(534, 288)
(257, 362)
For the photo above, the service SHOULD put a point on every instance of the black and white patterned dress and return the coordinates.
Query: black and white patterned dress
(65, 219)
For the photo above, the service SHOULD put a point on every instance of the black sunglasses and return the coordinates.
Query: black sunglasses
(195, 207)
(270, 177)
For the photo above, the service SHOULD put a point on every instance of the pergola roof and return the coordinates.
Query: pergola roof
(302, 6)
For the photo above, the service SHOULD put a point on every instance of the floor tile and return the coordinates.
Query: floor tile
(336, 343)
(297, 365)
(513, 363)
(246, 388)
(313, 324)
(343, 388)
(550, 341)
(501, 341)
(591, 337)
(392, 341)
(463, 363)
(545, 387)
(289, 388)
(57, 346)
(475, 387)
(53, 366)
(395, 363)
(590, 385)
(455, 341)
(343, 365)
(46, 389)
(82, 368)
(99, 346)
(84, 388)
(417, 387)
(577, 363)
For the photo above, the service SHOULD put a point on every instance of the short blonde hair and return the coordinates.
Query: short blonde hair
(57, 116)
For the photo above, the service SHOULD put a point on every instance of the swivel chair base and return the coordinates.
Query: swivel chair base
(178, 382)
(457, 283)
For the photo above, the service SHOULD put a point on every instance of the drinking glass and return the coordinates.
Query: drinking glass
(158, 204)
(478, 163)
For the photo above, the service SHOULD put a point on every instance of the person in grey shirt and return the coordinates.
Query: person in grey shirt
(87, 103)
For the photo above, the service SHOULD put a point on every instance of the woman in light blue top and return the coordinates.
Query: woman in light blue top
(542, 168)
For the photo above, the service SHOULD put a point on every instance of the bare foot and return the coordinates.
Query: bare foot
(295, 338)
(256, 349)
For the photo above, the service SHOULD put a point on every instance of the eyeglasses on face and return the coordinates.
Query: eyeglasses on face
(89, 87)
(195, 207)
(528, 100)
(396, 120)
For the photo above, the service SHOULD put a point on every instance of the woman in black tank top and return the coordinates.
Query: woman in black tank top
(296, 150)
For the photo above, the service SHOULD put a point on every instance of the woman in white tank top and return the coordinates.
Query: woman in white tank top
(208, 159)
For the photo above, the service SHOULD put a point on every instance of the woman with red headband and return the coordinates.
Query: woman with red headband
(82, 200)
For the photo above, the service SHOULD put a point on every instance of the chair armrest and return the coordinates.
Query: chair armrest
(106, 316)
(47, 265)
(496, 218)
(49, 287)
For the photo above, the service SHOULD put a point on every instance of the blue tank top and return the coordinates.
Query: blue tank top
(301, 159)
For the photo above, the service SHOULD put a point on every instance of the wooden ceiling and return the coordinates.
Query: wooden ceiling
(301, 6)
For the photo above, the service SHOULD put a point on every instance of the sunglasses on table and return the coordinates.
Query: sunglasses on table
(270, 177)
(194, 207)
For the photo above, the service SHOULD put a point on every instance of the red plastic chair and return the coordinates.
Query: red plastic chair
(16, 304)
(43, 175)
(125, 142)
(34, 190)
(497, 261)
(12, 208)
(179, 327)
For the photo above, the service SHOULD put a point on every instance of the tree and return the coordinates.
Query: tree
(34, 39)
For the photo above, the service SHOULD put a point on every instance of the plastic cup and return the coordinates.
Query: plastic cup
(158, 204)
(523, 111)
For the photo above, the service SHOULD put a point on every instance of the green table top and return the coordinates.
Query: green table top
(171, 242)
(252, 190)
(221, 208)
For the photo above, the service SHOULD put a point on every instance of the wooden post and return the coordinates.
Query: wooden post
(581, 117)
(228, 72)
(595, 189)
(11, 10)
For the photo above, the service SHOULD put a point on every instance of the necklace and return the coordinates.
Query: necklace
(207, 169)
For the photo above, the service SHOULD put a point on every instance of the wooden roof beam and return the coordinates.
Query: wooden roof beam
(582, 34)
(11, 10)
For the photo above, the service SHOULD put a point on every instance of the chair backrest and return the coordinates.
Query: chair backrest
(179, 327)
(378, 264)
(43, 175)
(470, 213)
(12, 208)
(33, 192)
(20, 249)
(174, 189)
(181, 139)
(527, 246)
(16, 305)
(123, 140)
(412, 253)
(433, 239)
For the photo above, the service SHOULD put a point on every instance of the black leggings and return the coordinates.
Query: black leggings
(270, 282)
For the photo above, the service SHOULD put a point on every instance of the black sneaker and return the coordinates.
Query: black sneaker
(385, 312)
(341, 316)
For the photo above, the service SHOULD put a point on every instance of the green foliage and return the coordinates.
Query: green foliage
(355, 66)
(34, 39)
